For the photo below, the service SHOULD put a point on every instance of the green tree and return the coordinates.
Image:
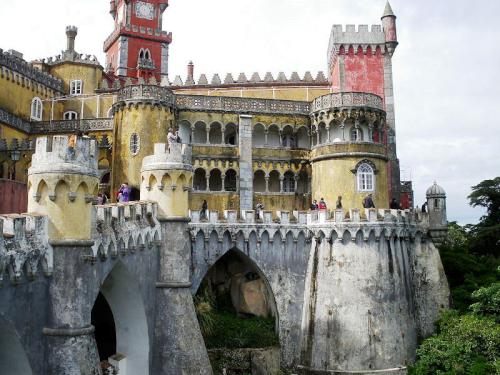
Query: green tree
(485, 236)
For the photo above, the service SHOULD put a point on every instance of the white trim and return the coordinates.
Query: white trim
(36, 111)
(365, 178)
(76, 87)
(70, 115)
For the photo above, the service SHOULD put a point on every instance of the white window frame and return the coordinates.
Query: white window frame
(359, 134)
(365, 177)
(76, 87)
(36, 109)
(70, 115)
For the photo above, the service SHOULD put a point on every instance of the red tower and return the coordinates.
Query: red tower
(138, 47)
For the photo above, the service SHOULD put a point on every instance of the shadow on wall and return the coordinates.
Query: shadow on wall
(13, 358)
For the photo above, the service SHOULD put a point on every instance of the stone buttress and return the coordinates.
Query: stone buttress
(63, 181)
(167, 179)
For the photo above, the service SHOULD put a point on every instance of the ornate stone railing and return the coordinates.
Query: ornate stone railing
(21, 66)
(71, 126)
(347, 99)
(14, 121)
(241, 105)
(146, 92)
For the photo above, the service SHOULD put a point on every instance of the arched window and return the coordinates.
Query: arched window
(70, 115)
(366, 178)
(274, 182)
(230, 135)
(215, 180)
(230, 180)
(135, 143)
(259, 181)
(289, 182)
(147, 54)
(141, 53)
(259, 135)
(356, 134)
(200, 180)
(36, 109)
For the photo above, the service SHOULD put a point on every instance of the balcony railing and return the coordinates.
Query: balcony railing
(70, 126)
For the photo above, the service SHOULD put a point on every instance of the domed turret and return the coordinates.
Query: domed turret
(435, 191)
(436, 204)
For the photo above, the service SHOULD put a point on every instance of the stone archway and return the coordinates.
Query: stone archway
(250, 291)
(120, 291)
(13, 358)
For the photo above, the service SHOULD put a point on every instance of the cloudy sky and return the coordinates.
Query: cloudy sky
(446, 68)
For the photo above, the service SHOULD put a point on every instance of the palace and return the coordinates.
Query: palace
(351, 288)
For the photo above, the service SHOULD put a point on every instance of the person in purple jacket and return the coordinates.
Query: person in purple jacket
(124, 193)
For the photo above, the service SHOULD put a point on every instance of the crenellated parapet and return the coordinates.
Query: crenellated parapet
(62, 184)
(125, 228)
(24, 247)
(353, 225)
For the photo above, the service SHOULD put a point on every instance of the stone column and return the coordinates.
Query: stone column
(223, 177)
(178, 344)
(246, 169)
(208, 135)
(267, 183)
(71, 348)
(207, 177)
(265, 137)
(281, 184)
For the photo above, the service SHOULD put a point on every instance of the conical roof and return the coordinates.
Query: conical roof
(388, 11)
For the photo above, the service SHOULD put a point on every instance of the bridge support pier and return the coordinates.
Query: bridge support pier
(70, 335)
(179, 347)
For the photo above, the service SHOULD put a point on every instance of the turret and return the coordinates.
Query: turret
(71, 33)
(167, 177)
(389, 26)
(62, 185)
(436, 206)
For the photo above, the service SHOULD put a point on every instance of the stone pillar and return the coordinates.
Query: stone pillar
(223, 178)
(178, 347)
(207, 177)
(63, 178)
(246, 168)
(267, 183)
(281, 184)
(208, 135)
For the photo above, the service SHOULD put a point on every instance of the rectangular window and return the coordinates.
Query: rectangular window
(76, 87)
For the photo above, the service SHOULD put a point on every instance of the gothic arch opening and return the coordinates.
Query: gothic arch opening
(13, 358)
(239, 294)
(120, 321)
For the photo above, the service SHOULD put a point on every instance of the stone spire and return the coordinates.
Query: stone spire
(388, 11)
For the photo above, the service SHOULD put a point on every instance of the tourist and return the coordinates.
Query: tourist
(99, 199)
(394, 205)
(314, 205)
(259, 207)
(368, 202)
(124, 193)
(204, 210)
(171, 137)
(178, 137)
(338, 205)
(322, 204)
(424, 207)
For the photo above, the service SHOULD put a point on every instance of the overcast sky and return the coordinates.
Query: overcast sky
(446, 67)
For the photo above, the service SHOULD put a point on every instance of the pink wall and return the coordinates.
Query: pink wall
(13, 197)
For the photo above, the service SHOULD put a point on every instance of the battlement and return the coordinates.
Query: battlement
(361, 35)
(74, 57)
(24, 247)
(172, 156)
(319, 217)
(255, 80)
(124, 228)
(54, 155)
(16, 64)
(155, 34)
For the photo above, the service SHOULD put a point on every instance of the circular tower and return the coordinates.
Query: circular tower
(167, 177)
(349, 149)
(142, 115)
(62, 183)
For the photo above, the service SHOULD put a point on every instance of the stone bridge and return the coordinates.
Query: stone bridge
(356, 288)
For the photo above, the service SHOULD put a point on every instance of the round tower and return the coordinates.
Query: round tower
(142, 114)
(389, 26)
(167, 177)
(436, 206)
(349, 149)
(62, 183)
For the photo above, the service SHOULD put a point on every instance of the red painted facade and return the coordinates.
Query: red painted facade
(363, 72)
(139, 22)
(14, 197)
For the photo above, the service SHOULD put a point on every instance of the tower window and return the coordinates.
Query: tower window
(36, 109)
(135, 144)
(365, 178)
(76, 87)
(70, 115)
(356, 134)
(289, 182)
